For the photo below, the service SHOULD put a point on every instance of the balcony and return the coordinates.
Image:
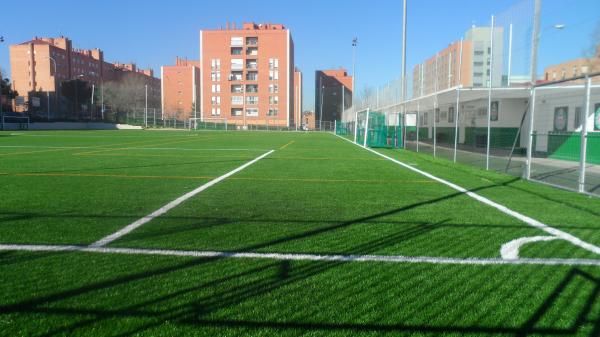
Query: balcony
(236, 50)
(236, 76)
(252, 76)
(251, 64)
(252, 41)
(252, 51)
(252, 88)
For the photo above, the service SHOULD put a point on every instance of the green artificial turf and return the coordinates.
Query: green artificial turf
(316, 193)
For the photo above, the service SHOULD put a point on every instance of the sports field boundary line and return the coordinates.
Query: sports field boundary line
(303, 257)
(164, 209)
(130, 148)
(524, 218)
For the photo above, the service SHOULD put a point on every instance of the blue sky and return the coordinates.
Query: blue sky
(152, 33)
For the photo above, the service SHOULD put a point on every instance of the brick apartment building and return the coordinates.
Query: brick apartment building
(43, 64)
(475, 67)
(180, 89)
(334, 88)
(573, 68)
(248, 75)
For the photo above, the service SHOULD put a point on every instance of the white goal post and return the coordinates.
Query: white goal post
(15, 122)
(207, 124)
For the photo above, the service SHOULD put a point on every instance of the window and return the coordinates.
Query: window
(252, 51)
(478, 74)
(478, 64)
(215, 75)
(252, 112)
(215, 64)
(216, 111)
(273, 64)
(215, 100)
(251, 41)
(235, 76)
(574, 71)
(237, 100)
(216, 88)
(237, 41)
(451, 114)
(236, 112)
(478, 52)
(252, 100)
(252, 88)
(252, 76)
(273, 112)
(273, 75)
(251, 64)
(237, 64)
(236, 50)
(237, 88)
(273, 99)
(577, 122)
(437, 115)
(563, 74)
(273, 88)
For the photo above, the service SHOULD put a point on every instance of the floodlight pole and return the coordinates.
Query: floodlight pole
(510, 38)
(146, 107)
(435, 107)
(459, 86)
(354, 44)
(535, 38)
(404, 14)
(489, 112)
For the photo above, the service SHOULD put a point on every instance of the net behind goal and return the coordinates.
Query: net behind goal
(15, 122)
(208, 124)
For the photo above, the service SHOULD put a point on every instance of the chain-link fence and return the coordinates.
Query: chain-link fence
(511, 96)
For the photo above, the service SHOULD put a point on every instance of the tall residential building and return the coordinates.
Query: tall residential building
(180, 86)
(33, 67)
(248, 74)
(333, 94)
(475, 68)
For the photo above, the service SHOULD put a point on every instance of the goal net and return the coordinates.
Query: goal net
(15, 122)
(207, 124)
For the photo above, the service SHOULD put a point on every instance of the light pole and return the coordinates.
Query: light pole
(354, 44)
(1, 80)
(146, 107)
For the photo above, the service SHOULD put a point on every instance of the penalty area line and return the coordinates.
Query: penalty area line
(528, 220)
(304, 257)
(127, 229)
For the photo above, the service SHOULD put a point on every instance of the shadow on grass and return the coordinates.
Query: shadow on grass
(221, 306)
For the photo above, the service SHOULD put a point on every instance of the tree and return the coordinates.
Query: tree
(127, 94)
(78, 92)
(6, 93)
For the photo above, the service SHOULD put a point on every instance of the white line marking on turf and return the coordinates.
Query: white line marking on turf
(530, 221)
(125, 230)
(128, 148)
(304, 257)
(510, 250)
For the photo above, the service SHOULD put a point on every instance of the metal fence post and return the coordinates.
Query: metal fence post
(583, 150)
(418, 122)
(530, 148)
(355, 123)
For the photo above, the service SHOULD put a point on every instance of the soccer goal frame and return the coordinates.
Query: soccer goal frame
(15, 122)
(207, 124)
